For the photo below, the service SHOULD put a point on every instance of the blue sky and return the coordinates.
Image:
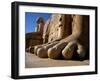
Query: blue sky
(30, 20)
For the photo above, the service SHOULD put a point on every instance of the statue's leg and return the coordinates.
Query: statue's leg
(55, 51)
(81, 51)
(42, 52)
(67, 52)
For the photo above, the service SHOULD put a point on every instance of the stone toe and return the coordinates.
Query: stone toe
(42, 53)
(52, 53)
(67, 53)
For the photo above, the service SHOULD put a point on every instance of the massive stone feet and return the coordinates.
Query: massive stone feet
(57, 50)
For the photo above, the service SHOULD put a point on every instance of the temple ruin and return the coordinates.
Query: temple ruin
(62, 36)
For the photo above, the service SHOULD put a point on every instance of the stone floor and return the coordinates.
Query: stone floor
(32, 61)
